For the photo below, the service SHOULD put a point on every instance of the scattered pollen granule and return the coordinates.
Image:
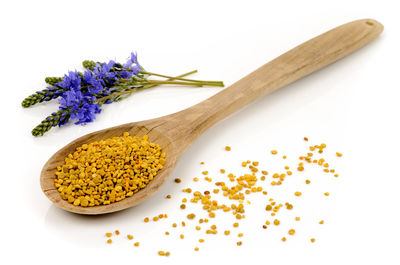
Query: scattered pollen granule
(136, 244)
(321, 222)
(312, 240)
(326, 193)
(292, 232)
(297, 218)
(308, 181)
(108, 171)
(191, 216)
(108, 234)
(297, 193)
(227, 148)
(274, 152)
(182, 236)
(339, 154)
(130, 237)
(109, 241)
(283, 239)
(117, 232)
(205, 172)
(239, 243)
(196, 249)
(177, 180)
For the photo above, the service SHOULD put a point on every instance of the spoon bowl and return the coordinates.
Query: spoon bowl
(176, 132)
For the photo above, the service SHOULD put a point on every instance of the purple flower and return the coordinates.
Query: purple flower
(70, 98)
(71, 81)
(95, 85)
(83, 108)
(131, 60)
(103, 72)
(86, 113)
(129, 64)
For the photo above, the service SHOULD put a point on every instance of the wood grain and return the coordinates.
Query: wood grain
(176, 132)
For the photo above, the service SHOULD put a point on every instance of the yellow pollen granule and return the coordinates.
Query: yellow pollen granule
(136, 244)
(108, 234)
(339, 154)
(191, 216)
(283, 239)
(130, 237)
(297, 193)
(274, 152)
(292, 232)
(326, 193)
(227, 148)
(312, 240)
(109, 241)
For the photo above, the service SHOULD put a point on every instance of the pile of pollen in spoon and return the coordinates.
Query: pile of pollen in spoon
(108, 171)
(236, 189)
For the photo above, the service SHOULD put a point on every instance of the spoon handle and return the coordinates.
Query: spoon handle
(285, 69)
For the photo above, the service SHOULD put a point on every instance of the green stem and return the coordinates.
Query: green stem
(179, 83)
(138, 89)
(179, 78)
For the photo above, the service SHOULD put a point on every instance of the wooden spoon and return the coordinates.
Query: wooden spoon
(176, 132)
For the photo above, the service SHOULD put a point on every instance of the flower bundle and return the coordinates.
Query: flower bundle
(82, 94)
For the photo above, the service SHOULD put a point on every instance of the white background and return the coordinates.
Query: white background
(352, 106)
